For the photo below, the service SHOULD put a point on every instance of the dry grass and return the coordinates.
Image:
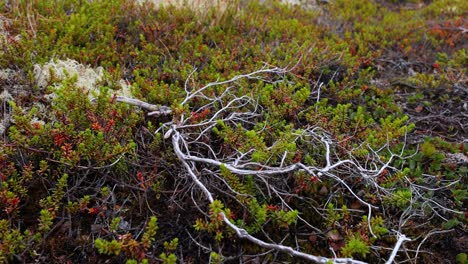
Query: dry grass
(202, 6)
(199, 5)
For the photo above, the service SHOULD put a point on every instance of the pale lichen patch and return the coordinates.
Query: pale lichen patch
(87, 78)
(5, 116)
(58, 70)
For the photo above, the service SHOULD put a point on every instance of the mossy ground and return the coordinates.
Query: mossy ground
(388, 75)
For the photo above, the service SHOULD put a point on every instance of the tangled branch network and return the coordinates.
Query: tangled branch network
(201, 161)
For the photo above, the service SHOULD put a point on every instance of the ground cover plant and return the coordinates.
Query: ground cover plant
(240, 132)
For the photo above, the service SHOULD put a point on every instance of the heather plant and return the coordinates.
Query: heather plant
(133, 249)
(146, 133)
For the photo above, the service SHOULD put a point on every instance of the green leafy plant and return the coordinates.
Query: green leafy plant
(401, 198)
(462, 258)
(289, 120)
(355, 246)
(131, 247)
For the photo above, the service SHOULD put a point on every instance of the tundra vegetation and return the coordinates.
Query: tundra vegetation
(133, 132)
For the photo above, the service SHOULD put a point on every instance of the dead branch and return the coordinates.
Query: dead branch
(192, 152)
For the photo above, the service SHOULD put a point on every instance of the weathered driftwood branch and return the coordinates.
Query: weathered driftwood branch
(242, 110)
(155, 109)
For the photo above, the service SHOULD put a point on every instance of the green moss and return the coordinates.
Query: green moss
(355, 246)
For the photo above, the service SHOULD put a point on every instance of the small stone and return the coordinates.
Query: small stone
(323, 190)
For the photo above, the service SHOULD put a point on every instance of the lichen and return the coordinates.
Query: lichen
(87, 78)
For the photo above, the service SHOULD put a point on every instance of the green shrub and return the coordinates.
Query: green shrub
(358, 73)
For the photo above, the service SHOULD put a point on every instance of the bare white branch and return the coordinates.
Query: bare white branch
(191, 142)
(401, 238)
